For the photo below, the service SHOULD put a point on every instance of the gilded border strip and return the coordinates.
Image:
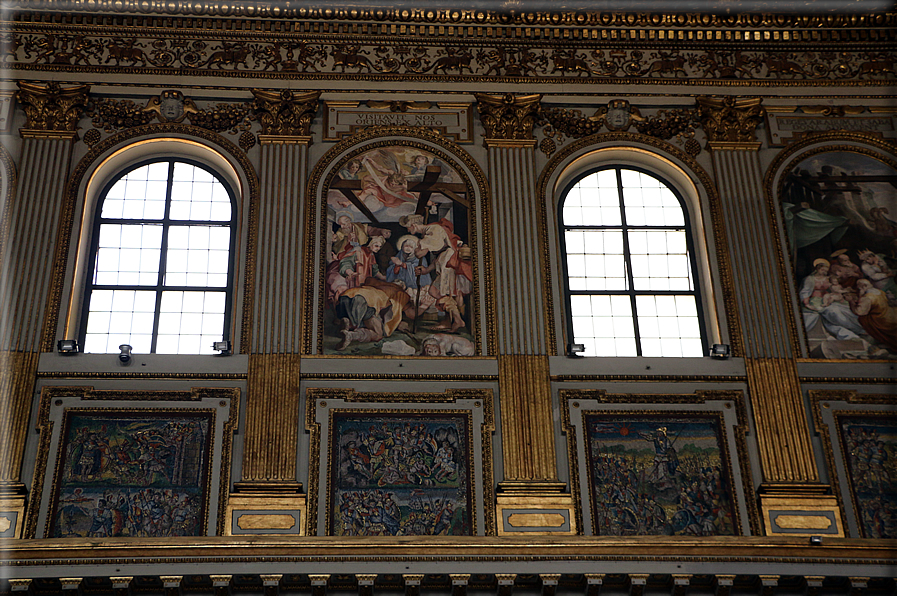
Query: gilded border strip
(793, 154)
(720, 245)
(550, 20)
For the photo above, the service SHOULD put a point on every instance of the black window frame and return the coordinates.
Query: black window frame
(624, 228)
(166, 222)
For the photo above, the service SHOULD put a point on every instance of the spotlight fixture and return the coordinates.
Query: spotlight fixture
(575, 350)
(67, 346)
(720, 351)
(815, 540)
(222, 347)
(125, 355)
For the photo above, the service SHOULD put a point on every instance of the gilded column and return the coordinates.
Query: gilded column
(791, 487)
(30, 226)
(269, 499)
(530, 464)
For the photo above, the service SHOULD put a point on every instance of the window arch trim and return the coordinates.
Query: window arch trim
(624, 227)
(166, 222)
(701, 198)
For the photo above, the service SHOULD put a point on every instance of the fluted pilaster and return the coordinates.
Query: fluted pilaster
(790, 478)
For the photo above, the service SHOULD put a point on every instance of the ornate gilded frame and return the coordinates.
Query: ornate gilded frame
(773, 185)
(222, 403)
(480, 222)
(828, 405)
(733, 425)
(322, 403)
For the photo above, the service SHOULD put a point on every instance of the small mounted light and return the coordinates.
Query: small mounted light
(222, 347)
(815, 540)
(720, 351)
(125, 356)
(67, 346)
(575, 350)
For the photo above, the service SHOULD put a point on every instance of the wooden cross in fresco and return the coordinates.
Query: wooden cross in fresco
(426, 187)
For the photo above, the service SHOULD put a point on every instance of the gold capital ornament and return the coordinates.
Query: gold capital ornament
(52, 107)
(509, 117)
(730, 119)
(284, 113)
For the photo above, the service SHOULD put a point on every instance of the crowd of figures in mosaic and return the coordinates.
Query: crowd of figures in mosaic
(419, 59)
(132, 475)
(839, 210)
(653, 475)
(400, 475)
(398, 264)
(870, 451)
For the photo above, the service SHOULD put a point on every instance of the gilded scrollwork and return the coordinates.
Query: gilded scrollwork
(285, 113)
(51, 106)
(170, 106)
(730, 119)
(619, 115)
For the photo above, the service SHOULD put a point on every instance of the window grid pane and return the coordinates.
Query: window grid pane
(130, 254)
(602, 262)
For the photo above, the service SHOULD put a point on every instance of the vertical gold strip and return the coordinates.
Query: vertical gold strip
(783, 436)
(526, 419)
(272, 419)
(17, 373)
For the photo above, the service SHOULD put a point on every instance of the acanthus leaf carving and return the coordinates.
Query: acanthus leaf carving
(508, 117)
(729, 119)
(51, 106)
(285, 113)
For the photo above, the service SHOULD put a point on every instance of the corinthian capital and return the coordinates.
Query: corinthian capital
(508, 116)
(51, 107)
(284, 113)
(730, 120)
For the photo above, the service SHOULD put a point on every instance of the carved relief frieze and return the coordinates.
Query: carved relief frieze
(582, 59)
(52, 107)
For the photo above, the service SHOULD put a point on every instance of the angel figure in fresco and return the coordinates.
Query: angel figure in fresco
(387, 183)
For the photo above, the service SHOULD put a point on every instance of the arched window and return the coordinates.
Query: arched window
(630, 266)
(161, 273)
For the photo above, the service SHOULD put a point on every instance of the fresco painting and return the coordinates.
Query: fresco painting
(400, 475)
(132, 475)
(840, 212)
(870, 451)
(399, 270)
(659, 475)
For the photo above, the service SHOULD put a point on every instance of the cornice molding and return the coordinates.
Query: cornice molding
(298, 10)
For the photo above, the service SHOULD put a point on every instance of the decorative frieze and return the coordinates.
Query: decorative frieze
(583, 58)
